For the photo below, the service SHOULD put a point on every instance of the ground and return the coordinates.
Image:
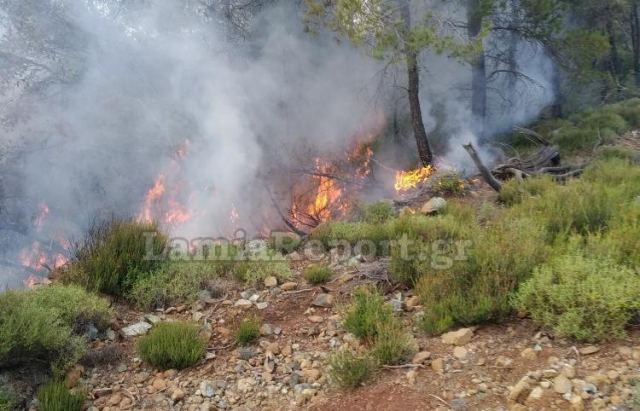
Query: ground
(286, 368)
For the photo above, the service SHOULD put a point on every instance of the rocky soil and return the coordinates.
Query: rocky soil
(512, 366)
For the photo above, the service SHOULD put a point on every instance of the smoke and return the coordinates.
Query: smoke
(160, 90)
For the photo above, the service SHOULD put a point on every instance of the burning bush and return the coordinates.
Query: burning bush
(54, 396)
(172, 345)
(43, 325)
(589, 299)
(112, 255)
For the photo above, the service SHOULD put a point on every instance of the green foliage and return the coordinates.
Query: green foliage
(283, 242)
(174, 282)
(366, 314)
(43, 325)
(349, 370)
(589, 299)
(248, 330)
(447, 183)
(54, 396)
(617, 152)
(253, 272)
(112, 256)
(7, 399)
(514, 191)
(172, 345)
(317, 274)
(392, 345)
(378, 212)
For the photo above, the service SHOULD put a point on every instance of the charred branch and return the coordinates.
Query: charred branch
(486, 173)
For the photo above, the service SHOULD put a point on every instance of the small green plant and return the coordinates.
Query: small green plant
(367, 312)
(7, 399)
(392, 345)
(172, 345)
(589, 299)
(448, 183)
(248, 330)
(349, 370)
(54, 396)
(317, 274)
(378, 212)
(114, 254)
(46, 325)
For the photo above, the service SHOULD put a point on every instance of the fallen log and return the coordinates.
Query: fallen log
(486, 173)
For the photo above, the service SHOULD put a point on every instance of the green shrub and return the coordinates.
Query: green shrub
(366, 313)
(7, 399)
(330, 234)
(54, 396)
(248, 330)
(45, 325)
(253, 272)
(113, 255)
(174, 283)
(392, 345)
(284, 242)
(378, 212)
(317, 274)
(618, 152)
(447, 183)
(172, 345)
(574, 138)
(589, 299)
(514, 192)
(348, 370)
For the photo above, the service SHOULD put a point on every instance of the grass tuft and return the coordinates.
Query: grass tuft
(367, 312)
(55, 396)
(172, 345)
(317, 274)
(349, 370)
(248, 330)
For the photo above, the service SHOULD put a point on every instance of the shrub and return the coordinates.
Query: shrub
(618, 152)
(253, 272)
(45, 325)
(112, 256)
(174, 283)
(514, 192)
(248, 330)
(284, 242)
(317, 274)
(348, 370)
(447, 183)
(7, 399)
(393, 345)
(589, 299)
(367, 312)
(378, 212)
(172, 345)
(54, 396)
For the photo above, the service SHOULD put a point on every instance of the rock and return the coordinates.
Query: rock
(311, 375)
(271, 282)
(568, 371)
(504, 362)
(599, 380)
(323, 300)
(204, 295)
(535, 395)
(562, 385)
(197, 316)
(576, 403)
(460, 353)
(459, 337)
(207, 390)
(177, 395)
(115, 399)
(266, 329)
(519, 392)
(159, 384)
(433, 205)
(590, 388)
(245, 385)
(136, 329)
(437, 365)
(273, 348)
(243, 303)
(73, 376)
(289, 286)
(411, 376)
(262, 305)
(529, 354)
(591, 349)
(421, 357)
(152, 319)
(316, 319)
(412, 302)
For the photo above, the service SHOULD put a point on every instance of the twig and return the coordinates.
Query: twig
(298, 291)
(224, 347)
(440, 399)
(394, 367)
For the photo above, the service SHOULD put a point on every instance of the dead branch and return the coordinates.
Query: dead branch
(486, 174)
(286, 221)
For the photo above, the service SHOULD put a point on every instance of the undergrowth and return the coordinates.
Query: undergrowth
(170, 345)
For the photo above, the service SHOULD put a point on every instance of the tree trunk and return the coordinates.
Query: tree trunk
(613, 43)
(635, 39)
(478, 71)
(413, 77)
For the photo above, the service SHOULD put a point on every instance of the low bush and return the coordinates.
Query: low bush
(252, 272)
(248, 330)
(54, 396)
(378, 212)
(586, 298)
(7, 399)
(46, 325)
(349, 370)
(317, 274)
(170, 345)
(283, 242)
(393, 345)
(366, 314)
(618, 152)
(113, 254)
(447, 183)
(514, 192)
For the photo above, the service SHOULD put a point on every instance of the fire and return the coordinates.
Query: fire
(36, 258)
(328, 193)
(33, 281)
(41, 217)
(406, 180)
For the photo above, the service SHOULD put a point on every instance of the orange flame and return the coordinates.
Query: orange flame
(328, 193)
(42, 216)
(406, 180)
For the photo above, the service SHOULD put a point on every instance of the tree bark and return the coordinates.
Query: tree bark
(635, 39)
(478, 71)
(486, 173)
(413, 89)
(613, 43)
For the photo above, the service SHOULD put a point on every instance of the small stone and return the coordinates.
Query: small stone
(73, 376)
(568, 371)
(459, 337)
(589, 388)
(136, 329)
(412, 302)
(323, 300)
(115, 399)
(504, 362)
(245, 385)
(159, 384)
(437, 365)
(545, 384)
(421, 357)
(460, 353)
(273, 348)
(262, 305)
(207, 390)
(197, 316)
(535, 395)
(243, 303)
(289, 286)
(316, 319)
(529, 354)
(562, 385)
(177, 395)
(411, 376)
(591, 349)
(519, 392)
(152, 319)
(311, 375)
(576, 403)
(271, 282)
(266, 329)
(433, 205)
